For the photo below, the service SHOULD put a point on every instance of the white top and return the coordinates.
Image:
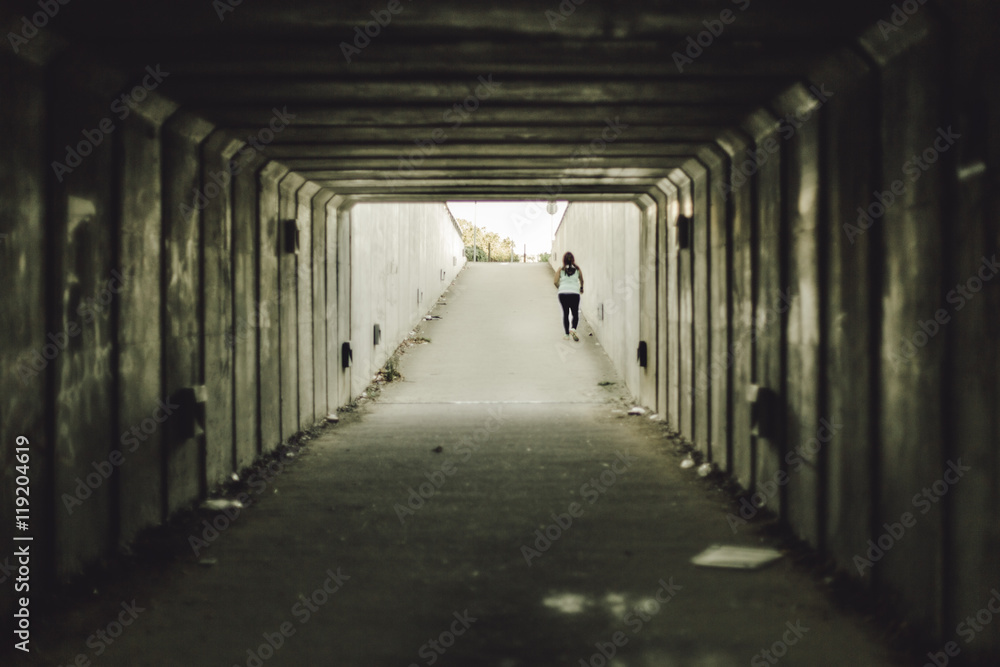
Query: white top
(569, 284)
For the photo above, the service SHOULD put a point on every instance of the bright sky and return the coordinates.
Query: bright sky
(527, 222)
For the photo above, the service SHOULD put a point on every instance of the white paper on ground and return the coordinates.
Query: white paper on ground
(738, 558)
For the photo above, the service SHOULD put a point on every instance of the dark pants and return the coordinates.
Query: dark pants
(570, 302)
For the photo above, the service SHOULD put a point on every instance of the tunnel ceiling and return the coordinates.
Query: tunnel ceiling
(559, 81)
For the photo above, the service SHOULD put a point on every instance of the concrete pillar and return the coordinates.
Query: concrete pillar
(718, 373)
(307, 363)
(218, 152)
(269, 293)
(183, 204)
(911, 453)
(318, 208)
(247, 312)
(142, 422)
(649, 315)
(700, 316)
(769, 268)
(671, 299)
(288, 295)
(344, 305)
(735, 189)
(685, 312)
(664, 232)
(849, 131)
(798, 110)
(333, 313)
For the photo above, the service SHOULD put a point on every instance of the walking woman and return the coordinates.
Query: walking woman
(569, 280)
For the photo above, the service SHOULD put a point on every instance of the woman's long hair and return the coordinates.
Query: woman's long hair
(569, 265)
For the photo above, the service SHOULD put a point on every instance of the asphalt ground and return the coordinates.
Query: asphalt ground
(494, 507)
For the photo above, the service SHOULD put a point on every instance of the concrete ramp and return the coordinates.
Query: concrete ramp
(500, 339)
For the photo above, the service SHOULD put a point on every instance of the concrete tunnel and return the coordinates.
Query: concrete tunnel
(789, 211)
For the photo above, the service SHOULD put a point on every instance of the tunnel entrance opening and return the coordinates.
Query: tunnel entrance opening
(541, 344)
(496, 230)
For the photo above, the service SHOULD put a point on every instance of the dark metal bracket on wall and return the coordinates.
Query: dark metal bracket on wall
(346, 354)
(190, 416)
(683, 232)
(290, 237)
(764, 411)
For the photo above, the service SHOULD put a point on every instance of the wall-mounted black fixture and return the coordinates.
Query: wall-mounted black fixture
(377, 334)
(600, 311)
(683, 232)
(443, 274)
(346, 355)
(290, 237)
(764, 411)
(189, 420)
(641, 353)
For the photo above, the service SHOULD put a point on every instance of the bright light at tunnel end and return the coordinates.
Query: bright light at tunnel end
(527, 222)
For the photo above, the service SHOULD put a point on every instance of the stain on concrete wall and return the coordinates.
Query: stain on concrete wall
(83, 221)
(23, 354)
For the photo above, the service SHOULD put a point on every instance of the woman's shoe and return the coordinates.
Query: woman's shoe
(572, 333)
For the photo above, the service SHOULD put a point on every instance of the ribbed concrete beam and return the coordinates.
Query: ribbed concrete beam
(515, 88)
(648, 58)
(337, 114)
(446, 149)
(484, 89)
(452, 19)
(668, 130)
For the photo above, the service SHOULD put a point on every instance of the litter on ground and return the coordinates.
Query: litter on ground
(221, 504)
(736, 558)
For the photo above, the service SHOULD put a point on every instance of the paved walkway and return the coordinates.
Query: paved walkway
(547, 530)
(500, 339)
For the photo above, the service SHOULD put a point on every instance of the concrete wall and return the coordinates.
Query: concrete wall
(863, 400)
(162, 266)
(23, 408)
(159, 266)
(604, 239)
(876, 374)
(403, 256)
